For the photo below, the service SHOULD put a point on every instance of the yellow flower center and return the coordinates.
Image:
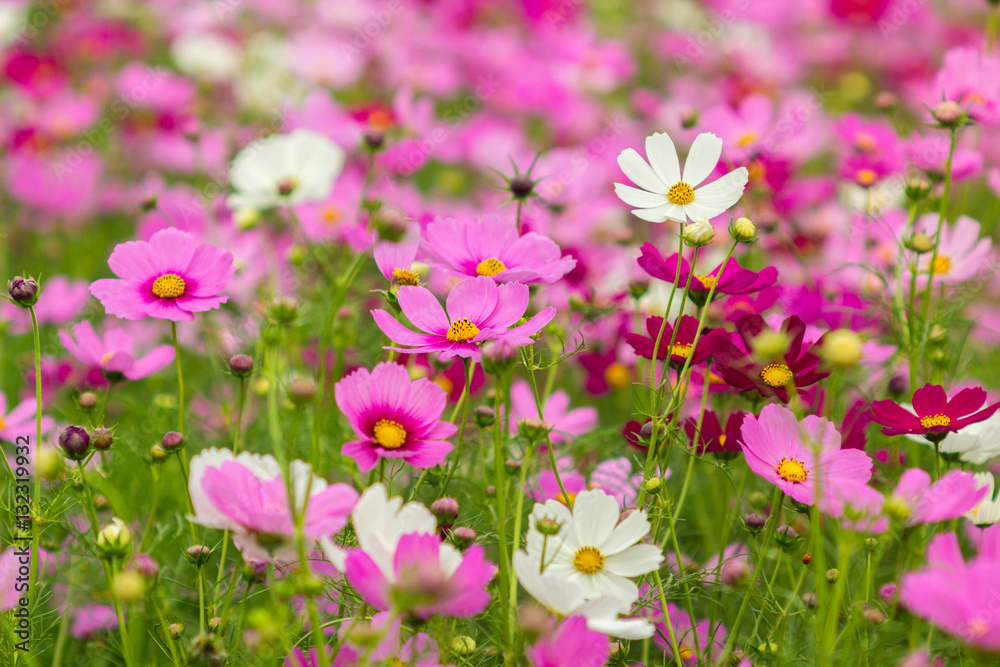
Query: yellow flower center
(941, 265)
(680, 193)
(405, 277)
(935, 420)
(389, 434)
(865, 142)
(330, 215)
(567, 499)
(169, 286)
(588, 560)
(792, 470)
(681, 350)
(708, 282)
(722, 440)
(2, 424)
(490, 267)
(462, 330)
(747, 139)
(866, 177)
(776, 375)
(685, 652)
(443, 382)
(393, 662)
(616, 375)
(106, 358)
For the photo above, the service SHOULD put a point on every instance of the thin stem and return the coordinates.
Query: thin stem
(36, 500)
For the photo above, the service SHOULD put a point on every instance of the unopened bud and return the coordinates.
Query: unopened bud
(949, 114)
(87, 401)
(770, 344)
(810, 600)
(874, 616)
(128, 586)
(75, 442)
(158, 454)
(198, 554)
(445, 510)
(241, 365)
(699, 233)
(245, 218)
(114, 539)
(533, 429)
(548, 526)
(23, 291)
(463, 646)
(102, 438)
(653, 486)
(754, 523)
(534, 621)
(463, 537)
(785, 536)
(920, 243)
(302, 391)
(284, 309)
(842, 348)
(484, 416)
(832, 574)
(214, 623)
(743, 230)
(172, 441)
(175, 630)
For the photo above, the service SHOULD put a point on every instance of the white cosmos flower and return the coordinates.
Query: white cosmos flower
(564, 598)
(379, 522)
(665, 194)
(976, 443)
(594, 550)
(296, 168)
(987, 512)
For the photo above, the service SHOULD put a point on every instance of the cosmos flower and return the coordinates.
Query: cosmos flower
(976, 443)
(683, 347)
(933, 414)
(569, 644)
(355, 648)
(780, 449)
(665, 194)
(20, 420)
(613, 476)
(733, 280)
(713, 439)
(393, 417)
(478, 310)
(112, 354)
(916, 499)
(395, 261)
(566, 424)
(170, 277)
(987, 511)
(594, 549)
(492, 247)
(962, 252)
(798, 366)
(295, 168)
(709, 639)
(246, 495)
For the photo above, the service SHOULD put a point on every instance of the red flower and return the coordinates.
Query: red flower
(798, 367)
(683, 343)
(933, 415)
(713, 439)
(734, 280)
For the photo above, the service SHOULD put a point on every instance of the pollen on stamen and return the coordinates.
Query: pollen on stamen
(490, 267)
(405, 277)
(462, 330)
(680, 193)
(169, 286)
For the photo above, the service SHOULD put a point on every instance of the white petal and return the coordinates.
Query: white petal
(632, 562)
(641, 198)
(611, 585)
(702, 158)
(628, 532)
(662, 157)
(552, 591)
(719, 195)
(640, 173)
(595, 515)
(660, 213)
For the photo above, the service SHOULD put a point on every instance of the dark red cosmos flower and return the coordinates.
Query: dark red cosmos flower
(933, 415)
(713, 439)
(734, 280)
(798, 367)
(683, 343)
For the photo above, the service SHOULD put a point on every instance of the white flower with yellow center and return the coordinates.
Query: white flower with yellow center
(594, 550)
(987, 512)
(664, 193)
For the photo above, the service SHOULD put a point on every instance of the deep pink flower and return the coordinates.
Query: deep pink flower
(779, 448)
(683, 347)
(710, 642)
(566, 424)
(355, 647)
(394, 417)
(425, 578)
(20, 420)
(170, 277)
(395, 261)
(713, 438)
(570, 644)
(112, 354)
(478, 310)
(972, 79)
(734, 280)
(933, 414)
(492, 247)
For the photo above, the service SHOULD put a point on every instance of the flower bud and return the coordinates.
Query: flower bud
(245, 218)
(463, 646)
(699, 233)
(810, 600)
(198, 554)
(241, 365)
(114, 539)
(832, 574)
(214, 623)
(148, 203)
(534, 621)
(87, 401)
(917, 188)
(897, 508)
(548, 526)
(484, 416)
(175, 630)
(75, 442)
(23, 291)
(638, 288)
(512, 466)
(533, 429)
(874, 616)
(498, 356)
(463, 537)
(49, 463)
(284, 309)
(172, 441)
(949, 114)
(255, 571)
(445, 510)
(521, 187)
(158, 454)
(144, 565)
(653, 486)
(754, 523)
(302, 391)
(785, 536)
(770, 344)
(743, 230)
(374, 140)
(102, 438)
(757, 499)
(646, 432)
(128, 586)
(920, 243)
(842, 348)
(885, 100)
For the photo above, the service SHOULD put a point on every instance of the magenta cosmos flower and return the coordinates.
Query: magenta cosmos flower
(246, 495)
(683, 347)
(424, 577)
(933, 415)
(799, 367)
(780, 449)
(734, 280)
(169, 277)
(395, 261)
(478, 310)
(492, 247)
(112, 354)
(713, 439)
(20, 420)
(394, 417)
(569, 644)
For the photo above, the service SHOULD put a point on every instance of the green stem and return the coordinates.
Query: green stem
(36, 500)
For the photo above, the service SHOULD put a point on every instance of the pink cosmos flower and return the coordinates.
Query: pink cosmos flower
(9, 565)
(356, 651)
(425, 577)
(933, 414)
(613, 476)
(570, 644)
(743, 129)
(972, 79)
(957, 596)
(20, 420)
(780, 449)
(710, 642)
(246, 495)
(394, 417)
(491, 247)
(170, 277)
(111, 356)
(90, 619)
(921, 501)
(60, 301)
(395, 261)
(566, 424)
(478, 310)
(962, 253)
